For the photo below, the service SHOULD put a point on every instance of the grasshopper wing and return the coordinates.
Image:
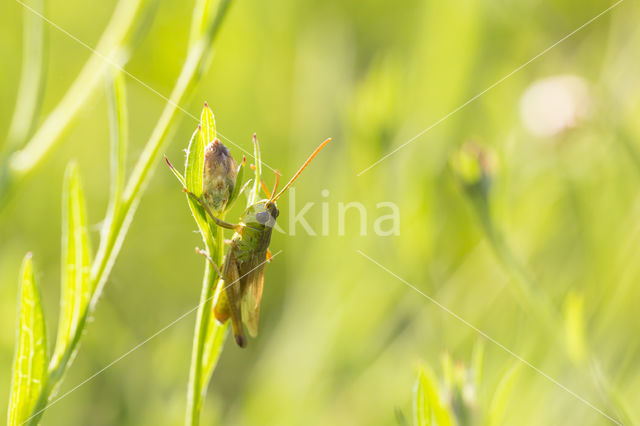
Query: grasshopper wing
(252, 297)
(234, 295)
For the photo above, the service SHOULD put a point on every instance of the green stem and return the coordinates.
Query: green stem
(194, 397)
(32, 79)
(523, 284)
(200, 371)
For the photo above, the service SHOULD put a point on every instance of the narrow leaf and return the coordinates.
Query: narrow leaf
(208, 124)
(237, 188)
(30, 362)
(421, 408)
(117, 101)
(117, 104)
(76, 286)
(574, 327)
(195, 162)
(200, 19)
(428, 408)
(176, 173)
(31, 79)
(501, 395)
(477, 362)
(447, 370)
(193, 179)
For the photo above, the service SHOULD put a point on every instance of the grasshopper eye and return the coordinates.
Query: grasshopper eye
(263, 217)
(273, 210)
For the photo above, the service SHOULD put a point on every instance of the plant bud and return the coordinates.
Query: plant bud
(219, 176)
(460, 390)
(474, 167)
(462, 394)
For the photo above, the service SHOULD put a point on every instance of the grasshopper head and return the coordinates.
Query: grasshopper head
(261, 214)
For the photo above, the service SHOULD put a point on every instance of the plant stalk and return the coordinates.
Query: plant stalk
(523, 284)
(197, 386)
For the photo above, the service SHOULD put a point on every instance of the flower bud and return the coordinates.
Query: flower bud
(460, 390)
(219, 176)
(474, 167)
(462, 394)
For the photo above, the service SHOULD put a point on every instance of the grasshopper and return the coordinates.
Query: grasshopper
(242, 274)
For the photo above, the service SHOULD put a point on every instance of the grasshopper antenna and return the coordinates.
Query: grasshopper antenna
(264, 186)
(304, 165)
(275, 187)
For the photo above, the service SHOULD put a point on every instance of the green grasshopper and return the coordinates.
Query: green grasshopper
(242, 273)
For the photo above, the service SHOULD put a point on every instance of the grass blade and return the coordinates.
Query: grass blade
(421, 408)
(30, 362)
(237, 188)
(31, 80)
(194, 169)
(117, 100)
(477, 362)
(202, 13)
(427, 407)
(500, 398)
(574, 327)
(76, 289)
(118, 120)
(208, 124)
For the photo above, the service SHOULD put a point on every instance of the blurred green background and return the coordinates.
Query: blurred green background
(340, 339)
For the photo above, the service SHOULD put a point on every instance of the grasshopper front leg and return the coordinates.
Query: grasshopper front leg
(194, 197)
(219, 222)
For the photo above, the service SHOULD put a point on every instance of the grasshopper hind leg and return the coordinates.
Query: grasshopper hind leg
(241, 339)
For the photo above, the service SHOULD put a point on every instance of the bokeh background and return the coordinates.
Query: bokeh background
(341, 340)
